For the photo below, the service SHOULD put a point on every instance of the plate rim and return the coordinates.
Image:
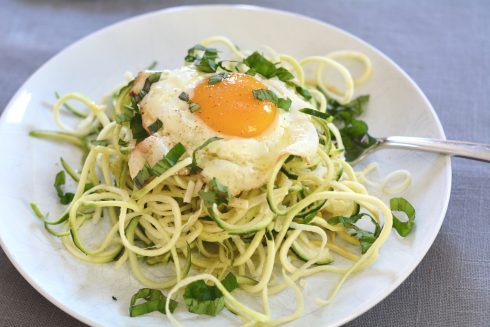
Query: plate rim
(363, 308)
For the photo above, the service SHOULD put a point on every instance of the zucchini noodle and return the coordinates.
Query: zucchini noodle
(283, 226)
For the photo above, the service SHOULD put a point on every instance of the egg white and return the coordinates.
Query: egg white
(239, 163)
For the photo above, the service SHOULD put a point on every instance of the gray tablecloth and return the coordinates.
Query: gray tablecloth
(443, 45)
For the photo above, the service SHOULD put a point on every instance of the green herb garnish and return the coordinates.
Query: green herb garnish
(315, 113)
(217, 193)
(132, 112)
(366, 238)
(155, 126)
(261, 65)
(262, 95)
(59, 182)
(168, 161)
(216, 78)
(154, 300)
(356, 139)
(402, 205)
(205, 59)
(193, 107)
(201, 298)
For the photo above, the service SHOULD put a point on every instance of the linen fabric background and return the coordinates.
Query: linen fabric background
(443, 45)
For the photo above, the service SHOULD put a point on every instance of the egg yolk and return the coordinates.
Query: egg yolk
(229, 106)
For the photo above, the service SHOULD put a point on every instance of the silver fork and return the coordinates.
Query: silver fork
(469, 150)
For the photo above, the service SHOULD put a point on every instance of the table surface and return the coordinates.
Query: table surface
(443, 45)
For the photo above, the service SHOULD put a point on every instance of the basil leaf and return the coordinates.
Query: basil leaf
(366, 238)
(143, 175)
(168, 161)
(260, 65)
(262, 95)
(284, 103)
(217, 193)
(134, 115)
(201, 298)
(215, 79)
(207, 62)
(315, 113)
(184, 97)
(220, 190)
(283, 74)
(303, 92)
(59, 182)
(356, 139)
(194, 167)
(155, 126)
(154, 301)
(345, 113)
(193, 107)
(136, 126)
(402, 205)
(230, 282)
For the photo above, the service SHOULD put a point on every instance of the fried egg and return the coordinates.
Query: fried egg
(255, 133)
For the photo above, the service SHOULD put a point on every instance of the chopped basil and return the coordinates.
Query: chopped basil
(132, 113)
(143, 175)
(184, 97)
(303, 92)
(59, 182)
(205, 59)
(216, 78)
(217, 193)
(230, 282)
(194, 167)
(366, 238)
(193, 107)
(354, 132)
(168, 161)
(136, 125)
(345, 113)
(201, 298)
(259, 64)
(315, 113)
(356, 139)
(154, 300)
(155, 126)
(262, 95)
(402, 205)
(284, 103)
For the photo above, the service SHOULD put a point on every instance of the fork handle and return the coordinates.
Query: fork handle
(476, 151)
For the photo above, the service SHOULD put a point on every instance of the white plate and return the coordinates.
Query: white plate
(96, 64)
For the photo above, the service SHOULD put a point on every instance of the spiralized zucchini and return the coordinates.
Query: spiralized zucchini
(283, 226)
